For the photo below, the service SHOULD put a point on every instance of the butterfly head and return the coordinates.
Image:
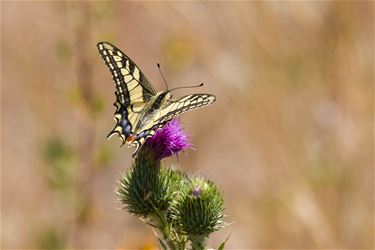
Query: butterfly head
(164, 95)
(168, 95)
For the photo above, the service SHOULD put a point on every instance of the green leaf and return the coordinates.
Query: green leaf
(222, 245)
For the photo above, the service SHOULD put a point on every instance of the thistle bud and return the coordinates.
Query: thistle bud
(147, 188)
(198, 208)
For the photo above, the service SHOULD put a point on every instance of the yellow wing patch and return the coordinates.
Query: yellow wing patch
(184, 104)
(137, 115)
(131, 85)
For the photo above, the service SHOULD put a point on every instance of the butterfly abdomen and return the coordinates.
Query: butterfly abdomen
(140, 111)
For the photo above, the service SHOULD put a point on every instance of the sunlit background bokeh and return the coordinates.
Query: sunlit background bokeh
(289, 140)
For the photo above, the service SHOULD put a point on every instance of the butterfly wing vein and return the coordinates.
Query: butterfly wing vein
(134, 93)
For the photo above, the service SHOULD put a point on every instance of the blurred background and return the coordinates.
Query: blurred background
(289, 140)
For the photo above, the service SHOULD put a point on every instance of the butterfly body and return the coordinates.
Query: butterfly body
(149, 113)
(140, 110)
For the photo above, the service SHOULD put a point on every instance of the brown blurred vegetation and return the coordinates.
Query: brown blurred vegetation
(289, 140)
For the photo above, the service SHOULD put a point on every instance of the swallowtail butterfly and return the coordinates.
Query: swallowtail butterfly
(140, 110)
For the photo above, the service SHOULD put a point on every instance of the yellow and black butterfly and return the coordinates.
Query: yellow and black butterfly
(140, 111)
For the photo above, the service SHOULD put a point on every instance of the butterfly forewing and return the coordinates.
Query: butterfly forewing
(138, 115)
(131, 84)
(132, 89)
(183, 104)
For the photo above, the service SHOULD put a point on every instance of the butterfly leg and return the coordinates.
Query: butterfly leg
(137, 145)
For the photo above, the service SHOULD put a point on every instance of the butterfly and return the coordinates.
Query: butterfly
(140, 110)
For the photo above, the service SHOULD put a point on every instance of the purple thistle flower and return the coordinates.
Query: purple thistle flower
(168, 140)
(196, 191)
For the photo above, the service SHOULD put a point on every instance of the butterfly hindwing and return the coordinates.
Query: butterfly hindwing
(133, 90)
(142, 137)
(140, 111)
(126, 119)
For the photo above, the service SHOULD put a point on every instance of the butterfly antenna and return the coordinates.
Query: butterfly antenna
(161, 73)
(188, 87)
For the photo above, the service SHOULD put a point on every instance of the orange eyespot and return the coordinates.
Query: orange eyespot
(130, 138)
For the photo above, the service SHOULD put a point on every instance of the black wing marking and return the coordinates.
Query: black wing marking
(131, 84)
(183, 104)
(133, 90)
(125, 118)
(142, 137)
(171, 110)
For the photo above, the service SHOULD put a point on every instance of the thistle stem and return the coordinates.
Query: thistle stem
(164, 229)
(198, 242)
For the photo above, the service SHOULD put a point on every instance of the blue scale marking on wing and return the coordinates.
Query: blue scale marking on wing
(124, 104)
(118, 68)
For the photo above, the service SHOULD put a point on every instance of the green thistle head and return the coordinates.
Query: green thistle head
(198, 208)
(147, 188)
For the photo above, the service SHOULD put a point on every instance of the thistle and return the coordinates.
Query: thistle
(169, 140)
(198, 211)
(183, 210)
(147, 188)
